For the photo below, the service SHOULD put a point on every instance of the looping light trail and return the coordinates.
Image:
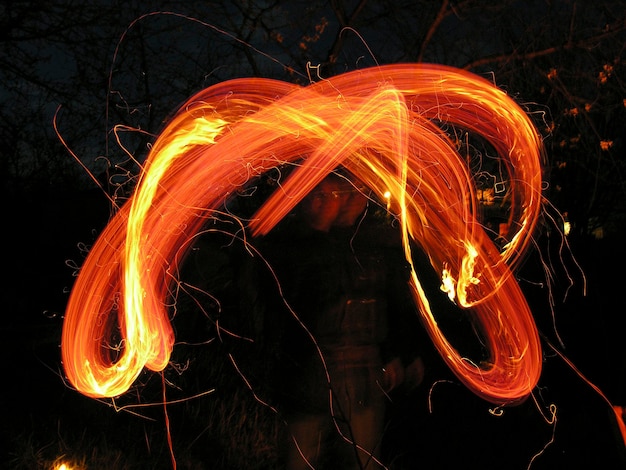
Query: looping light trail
(385, 125)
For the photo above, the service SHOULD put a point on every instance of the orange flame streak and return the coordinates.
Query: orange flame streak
(378, 124)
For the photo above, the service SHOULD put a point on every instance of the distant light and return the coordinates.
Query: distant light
(566, 228)
(387, 196)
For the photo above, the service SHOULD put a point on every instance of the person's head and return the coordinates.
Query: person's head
(353, 203)
(335, 202)
(321, 206)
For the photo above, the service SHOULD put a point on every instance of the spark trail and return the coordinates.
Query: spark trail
(385, 126)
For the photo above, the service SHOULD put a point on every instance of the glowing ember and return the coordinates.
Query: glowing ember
(379, 124)
(65, 466)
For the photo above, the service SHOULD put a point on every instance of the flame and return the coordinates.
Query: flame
(379, 124)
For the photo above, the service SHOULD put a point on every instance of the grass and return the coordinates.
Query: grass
(47, 424)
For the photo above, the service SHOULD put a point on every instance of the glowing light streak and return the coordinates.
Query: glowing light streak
(380, 125)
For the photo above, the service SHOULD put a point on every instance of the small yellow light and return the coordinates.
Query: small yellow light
(566, 228)
(60, 465)
(387, 195)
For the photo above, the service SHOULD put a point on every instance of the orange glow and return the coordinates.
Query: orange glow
(384, 125)
(620, 412)
(66, 465)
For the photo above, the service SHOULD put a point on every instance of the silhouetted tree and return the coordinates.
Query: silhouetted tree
(129, 65)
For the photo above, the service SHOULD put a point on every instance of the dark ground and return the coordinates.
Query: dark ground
(44, 418)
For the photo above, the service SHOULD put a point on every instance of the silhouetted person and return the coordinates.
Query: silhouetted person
(350, 331)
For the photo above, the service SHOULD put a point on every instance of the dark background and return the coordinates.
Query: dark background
(72, 71)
